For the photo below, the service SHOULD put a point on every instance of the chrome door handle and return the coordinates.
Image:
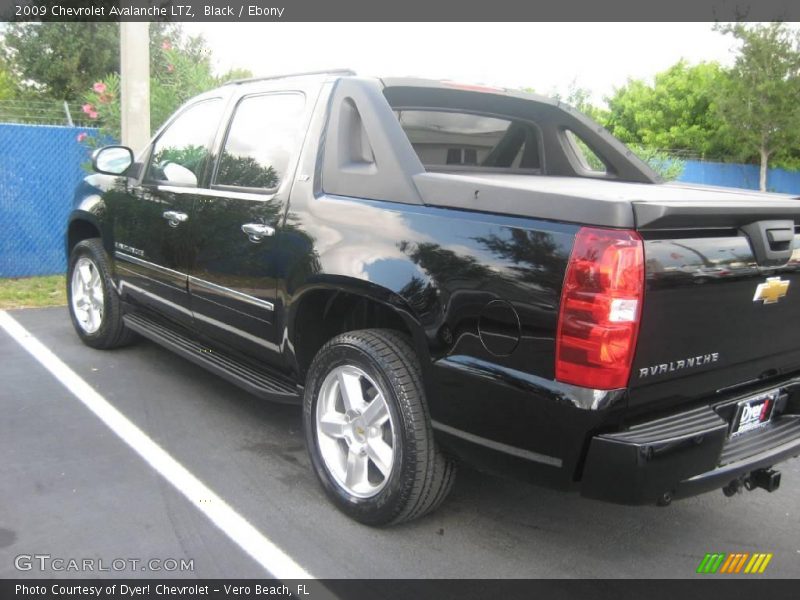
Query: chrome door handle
(174, 217)
(257, 231)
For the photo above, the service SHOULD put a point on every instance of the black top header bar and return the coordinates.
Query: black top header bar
(407, 10)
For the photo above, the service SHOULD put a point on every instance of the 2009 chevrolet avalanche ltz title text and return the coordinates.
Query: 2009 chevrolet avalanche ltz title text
(442, 272)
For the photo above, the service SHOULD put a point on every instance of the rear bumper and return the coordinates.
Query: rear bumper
(687, 453)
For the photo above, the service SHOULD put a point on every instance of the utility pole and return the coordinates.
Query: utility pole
(134, 45)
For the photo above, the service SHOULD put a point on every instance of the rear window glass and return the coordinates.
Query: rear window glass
(588, 160)
(452, 140)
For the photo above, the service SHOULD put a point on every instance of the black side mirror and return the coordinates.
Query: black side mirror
(112, 160)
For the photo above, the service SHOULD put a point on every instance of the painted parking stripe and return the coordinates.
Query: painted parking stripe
(279, 564)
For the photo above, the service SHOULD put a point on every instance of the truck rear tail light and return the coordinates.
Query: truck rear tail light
(601, 305)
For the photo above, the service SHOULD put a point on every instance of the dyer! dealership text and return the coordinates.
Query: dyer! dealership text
(161, 589)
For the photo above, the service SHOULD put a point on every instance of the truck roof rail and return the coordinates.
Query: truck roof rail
(302, 74)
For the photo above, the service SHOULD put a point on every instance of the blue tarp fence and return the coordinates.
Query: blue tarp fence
(41, 165)
(739, 176)
(39, 169)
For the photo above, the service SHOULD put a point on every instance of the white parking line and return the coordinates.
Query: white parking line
(232, 524)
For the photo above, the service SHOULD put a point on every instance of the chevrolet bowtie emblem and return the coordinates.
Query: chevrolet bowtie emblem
(772, 290)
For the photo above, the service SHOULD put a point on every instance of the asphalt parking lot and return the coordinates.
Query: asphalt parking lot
(69, 487)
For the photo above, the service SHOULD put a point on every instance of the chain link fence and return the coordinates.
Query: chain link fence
(39, 168)
(44, 112)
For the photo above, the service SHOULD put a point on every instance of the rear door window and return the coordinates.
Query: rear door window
(264, 135)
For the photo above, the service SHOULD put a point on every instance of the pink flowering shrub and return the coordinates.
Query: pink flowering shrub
(180, 68)
(90, 111)
(101, 105)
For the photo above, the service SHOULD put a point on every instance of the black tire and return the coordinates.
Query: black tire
(421, 476)
(112, 332)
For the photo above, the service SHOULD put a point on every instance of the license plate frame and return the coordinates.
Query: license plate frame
(754, 412)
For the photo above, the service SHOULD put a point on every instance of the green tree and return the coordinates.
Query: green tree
(667, 166)
(677, 113)
(8, 83)
(580, 98)
(59, 60)
(245, 171)
(761, 99)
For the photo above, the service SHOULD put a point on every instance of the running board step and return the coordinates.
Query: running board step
(255, 381)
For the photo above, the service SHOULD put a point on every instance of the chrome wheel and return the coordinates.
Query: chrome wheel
(355, 432)
(87, 295)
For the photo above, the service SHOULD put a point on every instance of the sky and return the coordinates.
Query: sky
(547, 57)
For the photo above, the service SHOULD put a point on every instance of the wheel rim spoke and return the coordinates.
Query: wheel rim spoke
(381, 455)
(332, 425)
(376, 413)
(85, 272)
(83, 316)
(350, 389)
(94, 281)
(78, 291)
(356, 476)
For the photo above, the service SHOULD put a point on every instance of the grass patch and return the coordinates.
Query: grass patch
(30, 292)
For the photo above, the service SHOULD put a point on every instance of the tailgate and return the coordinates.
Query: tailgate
(722, 298)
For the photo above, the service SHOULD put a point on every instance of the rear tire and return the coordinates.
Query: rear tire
(94, 305)
(368, 431)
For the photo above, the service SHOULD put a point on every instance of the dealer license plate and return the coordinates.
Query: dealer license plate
(754, 412)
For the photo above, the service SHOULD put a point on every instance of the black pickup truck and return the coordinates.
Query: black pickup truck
(436, 272)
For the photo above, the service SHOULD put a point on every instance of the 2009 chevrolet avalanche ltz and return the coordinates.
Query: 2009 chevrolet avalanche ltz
(438, 272)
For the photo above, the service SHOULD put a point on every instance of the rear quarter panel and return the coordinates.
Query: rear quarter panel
(445, 268)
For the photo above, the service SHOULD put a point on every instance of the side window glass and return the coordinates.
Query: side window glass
(264, 134)
(180, 153)
(586, 157)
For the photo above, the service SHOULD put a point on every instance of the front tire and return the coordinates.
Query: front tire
(368, 430)
(94, 305)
